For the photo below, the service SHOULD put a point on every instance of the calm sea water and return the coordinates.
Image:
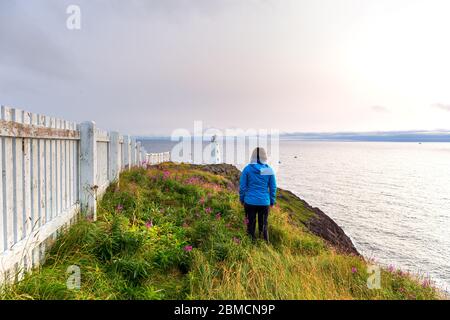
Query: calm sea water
(392, 199)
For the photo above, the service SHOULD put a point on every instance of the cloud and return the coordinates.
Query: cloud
(442, 106)
(380, 109)
(254, 63)
(32, 44)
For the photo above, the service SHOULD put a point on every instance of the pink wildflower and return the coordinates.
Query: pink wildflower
(426, 283)
(208, 210)
(218, 216)
(236, 240)
(391, 268)
(149, 224)
(354, 270)
(187, 248)
(119, 207)
(192, 180)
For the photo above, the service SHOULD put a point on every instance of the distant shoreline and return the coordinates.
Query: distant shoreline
(386, 136)
(355, 140)
(372, 137)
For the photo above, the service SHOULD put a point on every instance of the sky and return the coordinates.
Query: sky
(149, 67)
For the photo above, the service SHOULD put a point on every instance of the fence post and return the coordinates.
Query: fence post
(133, 152)
(114, 145)
(126, 152)
(138, 154)
(144, 157)
(88, 169)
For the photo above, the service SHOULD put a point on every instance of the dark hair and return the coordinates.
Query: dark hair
(257, 156)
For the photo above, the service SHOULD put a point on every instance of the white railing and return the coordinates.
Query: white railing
(51, 170)
(155, 158)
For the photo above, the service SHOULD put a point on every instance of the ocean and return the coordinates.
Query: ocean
(391, 198)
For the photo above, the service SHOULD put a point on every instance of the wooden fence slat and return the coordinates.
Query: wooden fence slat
(70, 171)
(2, 177)
(49, 176)
(75, 176)
(8, 185)
(35, 182)
(41, 192)
(41, 176)
(77, 168)
(26, 181)
(54, 174)
(8, 208)
(66, 171)
(18, 145)
(63, 171)
(57, 172)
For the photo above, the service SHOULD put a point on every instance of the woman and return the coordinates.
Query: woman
(257, 192)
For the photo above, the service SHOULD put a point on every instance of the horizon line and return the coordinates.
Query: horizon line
(393, 136)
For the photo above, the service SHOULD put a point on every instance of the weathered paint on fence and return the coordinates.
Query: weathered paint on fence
(52, 169)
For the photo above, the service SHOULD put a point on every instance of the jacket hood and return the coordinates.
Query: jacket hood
(261, 152)
(262, 168)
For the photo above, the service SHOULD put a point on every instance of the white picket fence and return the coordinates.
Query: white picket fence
(52, 170)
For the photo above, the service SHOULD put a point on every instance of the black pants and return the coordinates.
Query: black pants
(262, 212)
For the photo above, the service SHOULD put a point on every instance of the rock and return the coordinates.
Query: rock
(323, 226)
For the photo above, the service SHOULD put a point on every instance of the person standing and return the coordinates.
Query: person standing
(257, 192)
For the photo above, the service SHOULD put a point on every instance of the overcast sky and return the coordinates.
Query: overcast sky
(148, 67)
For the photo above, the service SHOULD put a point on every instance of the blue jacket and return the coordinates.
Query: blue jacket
(258, 185)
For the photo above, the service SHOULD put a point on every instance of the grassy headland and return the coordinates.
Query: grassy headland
(178, 232)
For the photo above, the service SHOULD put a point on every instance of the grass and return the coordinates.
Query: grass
(177, 232)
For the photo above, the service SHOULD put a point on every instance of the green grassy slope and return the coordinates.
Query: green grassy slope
(178, 232)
